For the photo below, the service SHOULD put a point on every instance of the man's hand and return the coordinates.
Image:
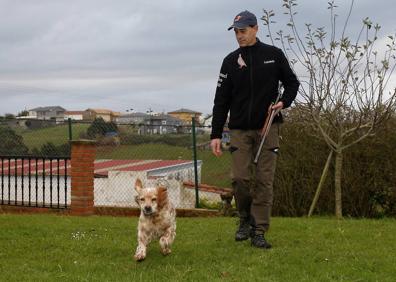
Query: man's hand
(278, 105)
(215, 144)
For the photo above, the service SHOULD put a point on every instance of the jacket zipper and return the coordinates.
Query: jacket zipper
(251, 89)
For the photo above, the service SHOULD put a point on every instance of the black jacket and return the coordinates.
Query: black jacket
(248, 85)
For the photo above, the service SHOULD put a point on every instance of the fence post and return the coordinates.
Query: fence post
(69, 121)
(195, 162)
(82, 177)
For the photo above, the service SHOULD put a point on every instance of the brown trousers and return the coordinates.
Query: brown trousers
(253, 184)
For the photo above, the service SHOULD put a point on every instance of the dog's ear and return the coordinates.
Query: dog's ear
(138, 185)
(162, 196)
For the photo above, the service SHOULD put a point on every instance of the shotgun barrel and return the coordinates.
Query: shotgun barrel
(266, 128)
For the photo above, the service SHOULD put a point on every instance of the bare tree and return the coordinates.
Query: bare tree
(344, 89)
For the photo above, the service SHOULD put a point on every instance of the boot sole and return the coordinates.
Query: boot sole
(261, 247)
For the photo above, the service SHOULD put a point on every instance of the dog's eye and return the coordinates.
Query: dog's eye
(154, 199)
(142, 199)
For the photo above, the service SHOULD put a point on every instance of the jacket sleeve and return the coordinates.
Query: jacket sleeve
(289, 81)
(222, 101)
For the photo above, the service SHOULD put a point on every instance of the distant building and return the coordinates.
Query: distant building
(133, 118)
(152, 124)
(206, 127)
(161, 124)
(206, 123)
(106, 115)
(186, 115)
(55, 113)
(74, 115)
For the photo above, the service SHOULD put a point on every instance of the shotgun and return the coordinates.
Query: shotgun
(267, 125)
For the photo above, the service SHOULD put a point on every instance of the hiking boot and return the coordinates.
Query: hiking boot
(243, 232)
(259, 241)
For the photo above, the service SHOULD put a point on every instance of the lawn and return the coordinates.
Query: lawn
(64, 248)
(57, 135)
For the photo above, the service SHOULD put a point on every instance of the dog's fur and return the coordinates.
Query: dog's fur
(157, 219)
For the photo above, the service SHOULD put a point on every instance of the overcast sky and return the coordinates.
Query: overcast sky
(131, 54)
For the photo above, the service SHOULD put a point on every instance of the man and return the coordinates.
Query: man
(248, 84)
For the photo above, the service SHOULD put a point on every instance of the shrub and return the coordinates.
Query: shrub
(100, 128)
(11, 143)
(51, 150)
(369, 177)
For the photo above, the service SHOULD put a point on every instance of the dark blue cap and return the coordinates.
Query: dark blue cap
(243, 20)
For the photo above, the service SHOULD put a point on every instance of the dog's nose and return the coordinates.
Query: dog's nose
(147, 208)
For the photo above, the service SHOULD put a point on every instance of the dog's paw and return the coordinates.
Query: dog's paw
(166, 251)
(139, 256)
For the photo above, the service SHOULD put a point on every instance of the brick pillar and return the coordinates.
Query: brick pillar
(82, 177)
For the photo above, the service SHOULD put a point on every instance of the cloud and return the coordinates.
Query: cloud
(125, 54)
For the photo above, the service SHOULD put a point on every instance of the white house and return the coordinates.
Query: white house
(55, 113)
(74, 115)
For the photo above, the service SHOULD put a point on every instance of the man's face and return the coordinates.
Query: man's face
(246, 36)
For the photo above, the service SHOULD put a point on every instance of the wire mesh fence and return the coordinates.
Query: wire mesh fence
(161, 152)
(158, 153)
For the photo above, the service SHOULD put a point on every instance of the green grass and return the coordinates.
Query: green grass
(62, 248)
(57, 135)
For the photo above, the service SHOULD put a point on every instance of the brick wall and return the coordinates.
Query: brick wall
(82, 177)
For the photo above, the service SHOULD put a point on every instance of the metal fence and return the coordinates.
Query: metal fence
(35, 181)
(173, 155)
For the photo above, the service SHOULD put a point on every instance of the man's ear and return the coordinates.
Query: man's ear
(138, 185)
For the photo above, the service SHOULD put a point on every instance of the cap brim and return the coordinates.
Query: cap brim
(238, 26)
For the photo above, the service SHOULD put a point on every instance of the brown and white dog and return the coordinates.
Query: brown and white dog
(157, 219)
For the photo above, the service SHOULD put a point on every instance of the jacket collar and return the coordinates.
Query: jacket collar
(251, 46)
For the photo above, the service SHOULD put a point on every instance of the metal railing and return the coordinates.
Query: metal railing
(35, 181)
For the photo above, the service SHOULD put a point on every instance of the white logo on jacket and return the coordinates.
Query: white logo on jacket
(241, 62)
(221, 77)
(269, 62)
